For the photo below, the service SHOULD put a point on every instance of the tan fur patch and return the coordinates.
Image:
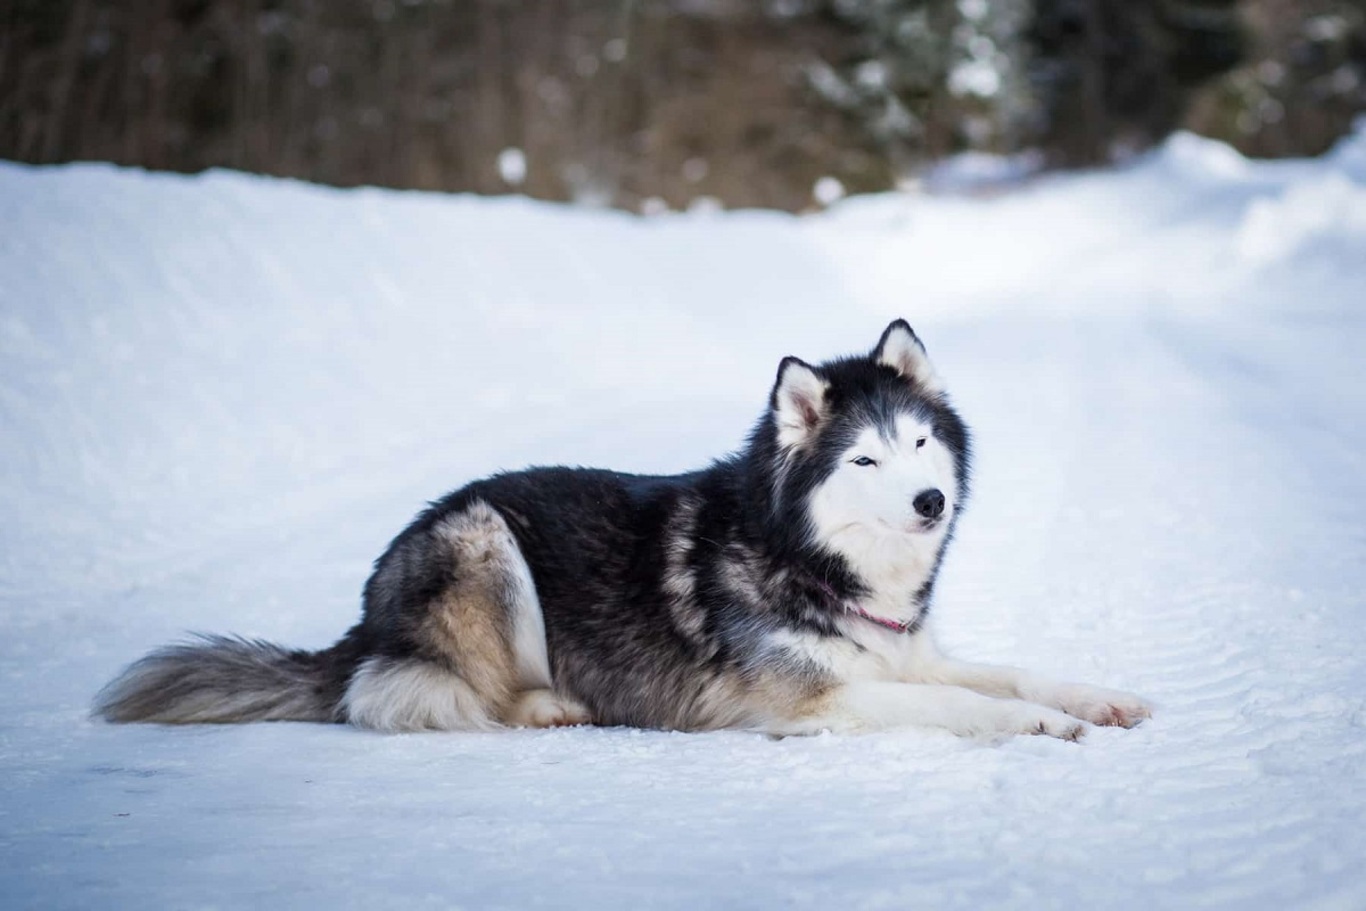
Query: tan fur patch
(470, 624)
(757, 702)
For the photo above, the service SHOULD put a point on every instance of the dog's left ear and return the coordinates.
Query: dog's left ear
(900, 349)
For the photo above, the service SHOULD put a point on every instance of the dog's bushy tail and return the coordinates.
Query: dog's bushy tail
(221, 680)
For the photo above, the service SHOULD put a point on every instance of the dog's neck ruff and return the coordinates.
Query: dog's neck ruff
(896, 626)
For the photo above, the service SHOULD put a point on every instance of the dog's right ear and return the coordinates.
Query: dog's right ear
(798, 401)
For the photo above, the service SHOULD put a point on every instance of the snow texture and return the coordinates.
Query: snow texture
(221, 396)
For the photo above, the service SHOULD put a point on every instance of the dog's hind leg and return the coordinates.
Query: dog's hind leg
(546, 709)
(477, 638)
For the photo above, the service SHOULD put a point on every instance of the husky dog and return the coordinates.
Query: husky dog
(784, 589)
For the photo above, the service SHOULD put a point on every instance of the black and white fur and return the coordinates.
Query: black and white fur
(784, 589)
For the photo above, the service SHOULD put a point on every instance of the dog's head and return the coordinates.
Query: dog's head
(872, 462)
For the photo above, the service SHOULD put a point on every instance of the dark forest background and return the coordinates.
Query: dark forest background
(640, 103)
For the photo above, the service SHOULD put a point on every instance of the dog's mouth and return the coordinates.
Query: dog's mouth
(919, 526)
(916, 525)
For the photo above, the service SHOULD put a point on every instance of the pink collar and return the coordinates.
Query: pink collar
(896, 626)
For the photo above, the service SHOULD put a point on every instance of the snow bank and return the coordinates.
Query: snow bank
(220, 396)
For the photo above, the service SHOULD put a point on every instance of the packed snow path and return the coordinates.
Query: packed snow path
(221, 396)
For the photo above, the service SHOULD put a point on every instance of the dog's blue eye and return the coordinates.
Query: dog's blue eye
(920, 442)
(863, 460)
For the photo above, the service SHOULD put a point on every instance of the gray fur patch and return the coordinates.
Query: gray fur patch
(679, 580)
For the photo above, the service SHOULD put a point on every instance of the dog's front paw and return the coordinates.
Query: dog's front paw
(1098, 705)
(1028, 718)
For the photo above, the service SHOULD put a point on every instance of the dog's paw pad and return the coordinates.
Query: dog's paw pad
(1027, 718)
(1125, 716)
(1108, 708)
(1064, 727)
(544, 709)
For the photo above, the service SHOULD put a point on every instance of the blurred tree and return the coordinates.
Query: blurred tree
(644, 104)
(1301, 85)
(1116, 75)
(622, 102)
(931, 77)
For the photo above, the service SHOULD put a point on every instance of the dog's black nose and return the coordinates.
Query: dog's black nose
(929, 503)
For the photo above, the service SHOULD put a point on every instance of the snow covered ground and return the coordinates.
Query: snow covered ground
(220, 396)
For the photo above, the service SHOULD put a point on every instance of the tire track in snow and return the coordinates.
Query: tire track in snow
(1248, 684)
